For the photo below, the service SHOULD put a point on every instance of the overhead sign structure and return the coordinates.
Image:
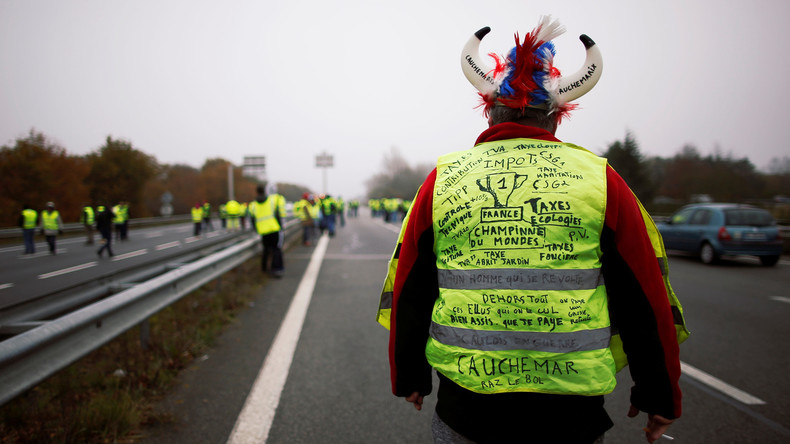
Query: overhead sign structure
(324, 161)
(254, 166)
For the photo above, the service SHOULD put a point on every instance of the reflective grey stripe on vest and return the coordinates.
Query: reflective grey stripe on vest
(521, 279)
(662, 265)
(553, 342)
(386, 300)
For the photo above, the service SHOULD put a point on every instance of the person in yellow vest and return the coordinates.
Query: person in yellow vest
(268, 213)
(303, 209)
(27, 221)
(328, 214)
(223, 215)
(207, 216)
(244, 214)
(341, 210)
(117, 221)
(197, 218)
(315, 213)
(375, 207)
(88, 218)
(121, 221)
(233, 209)
(391, 207)
(51, 226)
(526, 269)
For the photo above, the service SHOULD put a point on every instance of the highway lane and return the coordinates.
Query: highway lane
(24, 277)
(337, 386)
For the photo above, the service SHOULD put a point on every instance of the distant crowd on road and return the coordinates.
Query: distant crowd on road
(318, 213)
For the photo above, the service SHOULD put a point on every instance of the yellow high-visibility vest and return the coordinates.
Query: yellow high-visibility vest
(523, 305)
(88, 216)
(197, 215)
(265, 220)
(49, 220)
(29, 217)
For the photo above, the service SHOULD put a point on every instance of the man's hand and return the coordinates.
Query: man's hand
(415, 399)
(657, 425)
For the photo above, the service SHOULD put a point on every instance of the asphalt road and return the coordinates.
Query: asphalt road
(336, 386)
(24, 277)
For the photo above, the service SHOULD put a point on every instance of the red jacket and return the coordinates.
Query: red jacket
(638, 308)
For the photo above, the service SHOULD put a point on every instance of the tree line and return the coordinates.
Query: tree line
(36, 170)
(662, 184)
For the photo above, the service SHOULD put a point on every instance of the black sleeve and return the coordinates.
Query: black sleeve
(633, 318)
(420, 290)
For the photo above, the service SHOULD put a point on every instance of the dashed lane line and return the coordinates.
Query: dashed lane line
(781, 299)
(121, 257)
(167, 245)
(718, 384)
(67, 270)
(43, 253)
(4, 286)
(255, 420)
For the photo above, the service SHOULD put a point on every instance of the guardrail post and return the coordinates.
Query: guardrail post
(145, 335)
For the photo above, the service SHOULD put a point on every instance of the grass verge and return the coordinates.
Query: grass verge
(106, 396)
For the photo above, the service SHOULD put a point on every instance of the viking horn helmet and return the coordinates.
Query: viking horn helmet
(527, 77)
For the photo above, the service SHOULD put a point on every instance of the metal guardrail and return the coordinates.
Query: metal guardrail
(32, 356)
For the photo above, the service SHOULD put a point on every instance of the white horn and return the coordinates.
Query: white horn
(582, 81)
(477, 72)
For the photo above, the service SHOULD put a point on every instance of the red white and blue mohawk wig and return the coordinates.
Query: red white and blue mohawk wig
(527, 76)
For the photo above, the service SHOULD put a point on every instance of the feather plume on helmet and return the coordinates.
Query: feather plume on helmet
(527, 77)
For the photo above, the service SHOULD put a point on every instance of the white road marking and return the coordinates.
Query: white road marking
(4, 286)
(191, 239)
(167, 245)
(121, 257)
(41, 253)
(360, 257)
(9, 249)
(719, 385)
(389, 226)
(781, 299)
(68, 270)
(154, 234)
(255, 420)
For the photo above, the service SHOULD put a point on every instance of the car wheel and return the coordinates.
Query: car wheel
(707, 254)
(769, 261)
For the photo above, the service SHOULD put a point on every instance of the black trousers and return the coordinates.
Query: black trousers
(106, 243)
(271, 251)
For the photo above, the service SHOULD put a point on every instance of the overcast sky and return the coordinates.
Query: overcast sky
(190, 80)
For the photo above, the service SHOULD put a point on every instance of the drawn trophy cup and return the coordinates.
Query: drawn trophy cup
(501, 186)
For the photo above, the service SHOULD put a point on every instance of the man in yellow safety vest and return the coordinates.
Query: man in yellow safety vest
(268, 212)
(88, 218)
(51, 226)
(27, 221)
(197, 218)
(526, 268)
